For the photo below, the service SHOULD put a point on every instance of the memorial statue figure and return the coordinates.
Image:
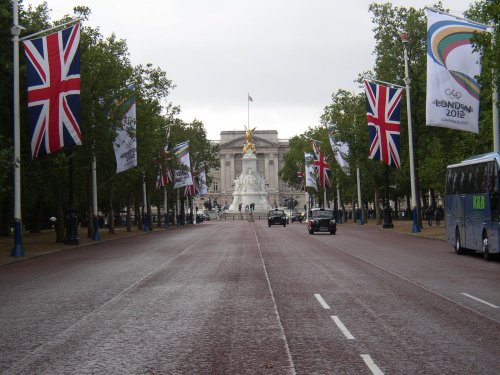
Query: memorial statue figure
(248, 137)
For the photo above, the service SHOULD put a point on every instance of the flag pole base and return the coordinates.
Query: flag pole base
(95, 233)
(415, 228)
(18, 249)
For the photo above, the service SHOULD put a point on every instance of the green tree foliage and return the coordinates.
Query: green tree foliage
(106, 74)
(434, 147)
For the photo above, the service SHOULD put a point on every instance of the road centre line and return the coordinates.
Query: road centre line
(275, 306)
(480, 300)
(371, 365)
(342, 327)
(322, 301)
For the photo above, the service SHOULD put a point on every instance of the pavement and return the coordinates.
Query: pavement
(38, 244)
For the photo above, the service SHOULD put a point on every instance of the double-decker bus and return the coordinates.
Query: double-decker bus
(472, 207)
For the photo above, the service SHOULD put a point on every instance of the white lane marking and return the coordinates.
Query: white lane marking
(322, 301)
(481, 300)
(449, 299)
(276, 313)
(342, 327)
(371, 365)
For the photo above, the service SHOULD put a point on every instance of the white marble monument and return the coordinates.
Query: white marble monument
(250, 187)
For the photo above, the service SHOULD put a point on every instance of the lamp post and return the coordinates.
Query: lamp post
(405, 38)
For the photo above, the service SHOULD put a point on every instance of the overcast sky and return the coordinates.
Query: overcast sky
(290, 55)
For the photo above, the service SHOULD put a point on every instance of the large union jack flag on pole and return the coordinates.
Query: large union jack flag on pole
(53, 67)
(383, 115)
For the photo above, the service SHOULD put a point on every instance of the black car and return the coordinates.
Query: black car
(321, 220)
(276, 217)
(296, 217)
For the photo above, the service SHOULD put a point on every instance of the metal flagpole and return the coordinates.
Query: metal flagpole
(416, 222)
(165, 203)
(360, 206)
(496, 127)
(338, 204)
(18, 250)
(146, 227)
(248, 110)
(95, 219)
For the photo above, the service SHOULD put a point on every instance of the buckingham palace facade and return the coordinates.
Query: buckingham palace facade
(270, 153)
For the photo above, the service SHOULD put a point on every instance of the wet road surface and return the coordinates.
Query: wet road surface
(241, 298)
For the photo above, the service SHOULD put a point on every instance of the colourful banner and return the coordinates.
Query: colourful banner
(452, 67)
(183, 177)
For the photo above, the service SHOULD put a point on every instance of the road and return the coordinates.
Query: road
(239, 297)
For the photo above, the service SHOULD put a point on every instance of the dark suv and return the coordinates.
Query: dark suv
(321, 220)
(276, 217)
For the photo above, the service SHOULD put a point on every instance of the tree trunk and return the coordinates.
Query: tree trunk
(60, 235)
(36, 221)
(138, 215)
(127, 217)
(111, 218)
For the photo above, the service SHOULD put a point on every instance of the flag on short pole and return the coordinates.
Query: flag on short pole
(125, 143)
(452, 65)
(250, 98)
(53, 75)
(300, 176)
(183, 176)
(383, 115)
(322, 167)
(310, 171)
(341, 151)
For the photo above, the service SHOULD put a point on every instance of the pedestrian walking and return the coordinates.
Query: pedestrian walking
(437, 216)
(429, 213)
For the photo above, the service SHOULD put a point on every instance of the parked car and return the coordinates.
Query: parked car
(276, 217)
(296, 217)
(321, 220)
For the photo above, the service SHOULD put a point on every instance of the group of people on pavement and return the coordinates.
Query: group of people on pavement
(435, 214)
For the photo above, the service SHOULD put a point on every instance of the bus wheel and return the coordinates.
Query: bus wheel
(486, 247)
(458, 243)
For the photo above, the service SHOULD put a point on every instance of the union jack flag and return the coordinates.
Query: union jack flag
(322, 167)
(53, 70)
(163, 177)
(383, 115)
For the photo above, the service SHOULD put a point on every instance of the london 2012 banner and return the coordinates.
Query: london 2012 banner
(452, 70)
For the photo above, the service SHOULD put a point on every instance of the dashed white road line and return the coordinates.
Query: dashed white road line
(342, 327)
(481, 300)
(322, 301)
(371, 365)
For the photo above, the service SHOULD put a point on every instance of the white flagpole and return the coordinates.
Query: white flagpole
(360, 206)
(416, 222)
(95, 219)
(146, 227)
(165, 203)
(248, 110)
(496, 127)
(18, 250)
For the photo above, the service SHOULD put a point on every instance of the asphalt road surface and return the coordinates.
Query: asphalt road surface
(242, 298)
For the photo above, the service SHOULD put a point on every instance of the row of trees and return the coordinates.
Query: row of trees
(434, 148)
(106, 71)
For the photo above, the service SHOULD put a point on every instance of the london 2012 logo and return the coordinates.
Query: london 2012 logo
(452, 105)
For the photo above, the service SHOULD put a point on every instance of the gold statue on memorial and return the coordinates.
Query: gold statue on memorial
(248, 144)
